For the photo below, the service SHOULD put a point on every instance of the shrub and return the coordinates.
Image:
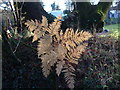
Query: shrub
(100, 63)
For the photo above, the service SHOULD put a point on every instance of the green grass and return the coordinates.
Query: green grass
(114, 30)
(112, 27)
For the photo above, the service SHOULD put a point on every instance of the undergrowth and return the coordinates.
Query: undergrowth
(101, 64)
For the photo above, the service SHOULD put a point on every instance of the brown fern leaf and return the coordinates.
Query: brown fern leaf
(44, 22)
(72, 39)
(69, 76)
(38, 34)
(59, 66)
(79, 50)
(33, 25)
(58, 48)
(53, 56)
(70, 44)
(55, 26)
(61, 51)
(45, 66)
(48, 60)
(36, 28)
(44, 45)
(81, 36)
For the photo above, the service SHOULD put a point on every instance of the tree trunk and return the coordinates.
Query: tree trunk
(34, 10)
(31, 10)
(89, 17)
(92, 16)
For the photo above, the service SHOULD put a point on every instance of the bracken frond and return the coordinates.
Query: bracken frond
(45, 66)
(58, 48)
(69, 75)
(59, 66)
(44, 45)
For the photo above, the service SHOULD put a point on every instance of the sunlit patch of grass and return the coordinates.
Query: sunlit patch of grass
(113, 29)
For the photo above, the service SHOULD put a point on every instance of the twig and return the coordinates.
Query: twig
(20, 16)
(11, 49)
(17, 45)
(14, 15)
(7, 23)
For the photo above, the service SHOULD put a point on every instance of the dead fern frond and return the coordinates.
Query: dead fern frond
(44, 22)
(45, 66)
(55, 27)
(44, 45)
(58, 48)
(38, 34)
(59, 66)
(61, 51)
(33, 25)
(69, 75)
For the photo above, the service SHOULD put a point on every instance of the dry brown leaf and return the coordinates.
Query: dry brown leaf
(45, 66)
(53, 57)
(44, 22)
(69, 76)
(59, 66)
(38, 34)
(44, 45)
(61, 50)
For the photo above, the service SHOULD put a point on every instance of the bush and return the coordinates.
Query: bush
(100, 64)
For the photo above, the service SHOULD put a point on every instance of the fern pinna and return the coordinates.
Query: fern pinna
(58, 48)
